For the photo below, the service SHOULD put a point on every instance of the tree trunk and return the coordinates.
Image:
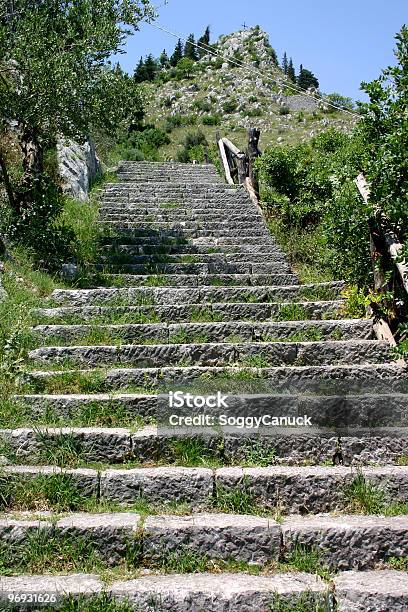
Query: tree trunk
(7, 183)
(33, 161)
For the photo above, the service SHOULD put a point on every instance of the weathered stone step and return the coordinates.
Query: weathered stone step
(166, 201)
(326, 379)
(178, 212)
(190, 186)
(346, 542)
(172, 295)
(207, 312)
(294, 490)
(346, 329)
(214, 536)
(177, 216)
(153, 245)
(381, 590)
(192, 230)
(212, 268)
(191, 280)
(351, 542)
(174, 253)
(225, 226)
(258, 354)
(177, 592)
(307, 490)
(330, 438)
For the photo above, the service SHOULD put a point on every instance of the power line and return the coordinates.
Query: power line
(239, 63)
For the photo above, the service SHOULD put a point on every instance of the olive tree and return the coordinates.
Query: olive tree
(56, 78)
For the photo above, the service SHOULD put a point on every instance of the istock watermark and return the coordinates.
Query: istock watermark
(193, 413)
(239, 422)
(179, 399)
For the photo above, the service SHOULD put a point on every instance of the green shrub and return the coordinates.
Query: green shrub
(193, 147)
(211, 120)
(309, 189)
(37, 229)
(202, 105)
(230, 106)
(172, 122)
(167, 102)
(255, 112)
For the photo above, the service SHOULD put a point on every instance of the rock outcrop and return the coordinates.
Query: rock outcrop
(78, 167)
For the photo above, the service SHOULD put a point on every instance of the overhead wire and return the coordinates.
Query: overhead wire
(209, 49)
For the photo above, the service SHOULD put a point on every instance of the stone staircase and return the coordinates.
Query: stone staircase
(192, 293)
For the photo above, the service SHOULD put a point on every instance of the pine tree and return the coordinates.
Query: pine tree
(164, 59)
(190, 50)
(150, 68)
(291, 71)
(285, 63)
(204, 42)
(178, 53)
(139, 74)
(307, 79)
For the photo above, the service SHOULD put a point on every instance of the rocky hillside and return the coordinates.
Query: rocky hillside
(222, 94)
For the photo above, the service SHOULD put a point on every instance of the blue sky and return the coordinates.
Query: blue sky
(344, 42)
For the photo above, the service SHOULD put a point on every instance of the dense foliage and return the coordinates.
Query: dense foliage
(385, 130)
(310, 187)
(180, 64)
(56, 81)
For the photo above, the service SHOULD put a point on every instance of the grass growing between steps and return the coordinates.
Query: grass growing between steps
(68, 450)
(57, 492)
(45, 551)
(365, 497)
(97, 603)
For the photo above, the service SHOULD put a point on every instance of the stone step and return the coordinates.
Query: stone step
(194, 231)
(208, 269)
(176, 216)
(177, 592)
(155, 245)
(190, 280)
(149, 296)
(214, 536)
(202, 187)
(290, 489)
(344, 542)
(350, 542)
(178, 212)
(207, 312)
(129, 253)
(379, 590)
(311, 489)
(258, 354)
(346, 329)
(331, 437)
(321, 380)
(224, 226)
(168, 200)
(361, 430)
